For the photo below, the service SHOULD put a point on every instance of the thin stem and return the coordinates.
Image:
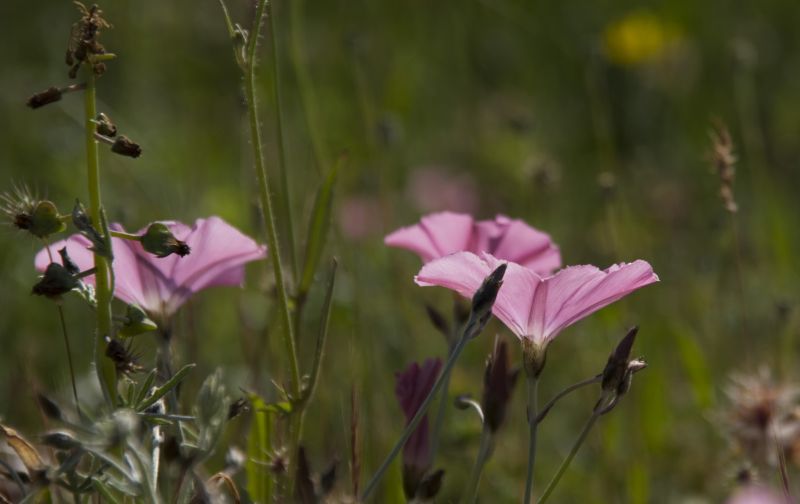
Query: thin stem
(69, 359)
(740, 280)
(472, 328)
(439, 422)
(272, 235)
(284, 178)
(574, 450)
(106, 373)
(125, 236)
(471, 494)
(533, 396)
(552, 402)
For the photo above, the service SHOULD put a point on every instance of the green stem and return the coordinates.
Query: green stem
(106, 373)
(69, 360)
(472, 328)
(575, 386)
(125, 236)
(439, 422)
(284, 178)
(272, 235)
(574, 450)
(533, 393)
(484, 451)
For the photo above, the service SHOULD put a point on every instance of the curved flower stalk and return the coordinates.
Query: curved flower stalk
(441, 234)
(161, 285)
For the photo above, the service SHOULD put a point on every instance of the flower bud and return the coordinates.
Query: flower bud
(498, 385)
(485, 296)
(136, 322)
(49, 407)
(125, 147)
(55, 282)
(60, 440)
(104, 126)
(616, 368)
(40, 218)
(430, 485)
(46, 97)
(160, 241)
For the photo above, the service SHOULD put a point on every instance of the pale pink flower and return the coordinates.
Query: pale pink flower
(537, 308)
(360, 216)
(756, 494)
(161, 285)
(440, 234)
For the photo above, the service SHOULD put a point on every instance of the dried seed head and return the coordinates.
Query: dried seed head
(83, 44)
(123, 357)
(55, 282)
(104, 126)
(28, 213)
(46, 97)
(723, 159)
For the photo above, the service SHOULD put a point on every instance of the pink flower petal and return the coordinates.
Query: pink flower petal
(435, 236)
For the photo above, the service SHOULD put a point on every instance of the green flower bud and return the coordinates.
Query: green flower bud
(160, 241)
(136, 322)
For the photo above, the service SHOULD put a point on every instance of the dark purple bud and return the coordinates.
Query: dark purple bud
(429, 487)
(485, 296)
(412, 386)
(238, 407)
(304, 485)
(617, 365)
(60, 440)
(67, 262)
(498, 385)
(49, 407)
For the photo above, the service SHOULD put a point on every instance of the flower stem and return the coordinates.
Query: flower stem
(284, 178)
(575, 386)
(472, 328)
(272, 235)
(106, 373)
(533, 393)
(574, 450)
(69, 360)
(439, 422)
(471, 495)
(125, 236)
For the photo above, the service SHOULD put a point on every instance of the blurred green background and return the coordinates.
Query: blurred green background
(589, 120)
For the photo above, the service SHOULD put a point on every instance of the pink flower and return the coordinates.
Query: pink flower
(537, 308)
(412, 386)
(441, 234)
(756, 494)
(161, 285)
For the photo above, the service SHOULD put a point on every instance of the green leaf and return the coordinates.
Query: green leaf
(162, 390)
(146, 384)
(323, 334)
(318, 229)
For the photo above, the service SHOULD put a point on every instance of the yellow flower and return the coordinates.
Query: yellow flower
(638, 37)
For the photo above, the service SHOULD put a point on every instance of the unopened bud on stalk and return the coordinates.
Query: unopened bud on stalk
(104, 126)
(619, 368)
(124, 146)
(485, 296)
(60, 440)
(136, 322)
(159, 240)
(49, 407)
(55, 282)
(51, 95)
(498, 385)
(430, 485)
(43, 221)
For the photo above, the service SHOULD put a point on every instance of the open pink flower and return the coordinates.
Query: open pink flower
(441, 234)
(537, 308)
(161, 285)
(412, 386)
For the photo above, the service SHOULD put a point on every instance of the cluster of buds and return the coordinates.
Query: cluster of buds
(723, 160)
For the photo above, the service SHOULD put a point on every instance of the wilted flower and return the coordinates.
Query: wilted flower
(440, 234)
(412, 386)
(763, 416)
(538, 308)
(161, 285)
